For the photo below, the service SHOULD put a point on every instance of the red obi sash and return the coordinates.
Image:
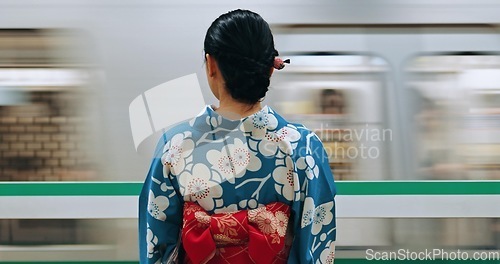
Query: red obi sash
(246, 236)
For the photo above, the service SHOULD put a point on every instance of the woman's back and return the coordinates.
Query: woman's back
(248, 189)
(243, 163)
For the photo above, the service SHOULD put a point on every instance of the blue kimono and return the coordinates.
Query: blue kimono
(228, 165)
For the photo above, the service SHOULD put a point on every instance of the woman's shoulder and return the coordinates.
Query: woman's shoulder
(300, 139)
(299, 127)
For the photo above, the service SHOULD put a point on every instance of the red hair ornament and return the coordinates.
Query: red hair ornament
(279, 63)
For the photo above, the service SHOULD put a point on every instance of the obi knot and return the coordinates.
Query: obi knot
(257, 234)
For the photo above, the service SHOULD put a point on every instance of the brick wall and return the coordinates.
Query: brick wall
(44, 140)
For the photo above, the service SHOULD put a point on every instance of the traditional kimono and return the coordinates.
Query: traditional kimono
(255, 190)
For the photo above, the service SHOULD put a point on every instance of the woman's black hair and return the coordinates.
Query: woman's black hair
(242, 44)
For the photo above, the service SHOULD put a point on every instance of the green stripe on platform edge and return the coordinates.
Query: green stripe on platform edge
(337, 261)
(343, 188)
(69, 188)
(419, 188)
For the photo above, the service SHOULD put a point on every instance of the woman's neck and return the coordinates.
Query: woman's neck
(234, 110)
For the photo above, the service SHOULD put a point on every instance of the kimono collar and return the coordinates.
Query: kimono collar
(211, 111)
(209, 119)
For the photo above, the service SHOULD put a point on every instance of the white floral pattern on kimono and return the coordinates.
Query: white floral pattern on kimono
(328, 254)
(177, 151)
(152, 240)
(317, 216)
(227, 165)
(199, 186)
(233, 160)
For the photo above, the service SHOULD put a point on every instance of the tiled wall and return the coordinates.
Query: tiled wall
(43, 139)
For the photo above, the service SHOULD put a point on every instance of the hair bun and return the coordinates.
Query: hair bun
(243, 46)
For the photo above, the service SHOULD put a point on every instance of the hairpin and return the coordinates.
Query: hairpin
(279, 63)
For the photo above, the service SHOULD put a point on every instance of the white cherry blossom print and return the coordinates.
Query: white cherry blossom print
(214, 121)
(286, 179)
(173, 155)
(243, 158)
(199, 186)
(317, 216)
(260, 123)
(308, 164)
(284, 139)
(233, 160)
(327, 256)
(222, 163)
(152, 241)
(177, 152)
(157, 206)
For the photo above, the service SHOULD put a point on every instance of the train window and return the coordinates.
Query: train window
(341, 98)
(456, 109)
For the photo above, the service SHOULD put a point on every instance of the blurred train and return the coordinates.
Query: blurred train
(396, 89)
